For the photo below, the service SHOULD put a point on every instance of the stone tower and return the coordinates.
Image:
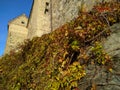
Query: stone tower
(39, 22)
(17, 32)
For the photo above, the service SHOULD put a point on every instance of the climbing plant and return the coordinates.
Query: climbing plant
(57, 61)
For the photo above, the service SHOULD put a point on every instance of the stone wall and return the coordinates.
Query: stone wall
(65, 10)
(47, 15)
(17, 33)
(39, 21)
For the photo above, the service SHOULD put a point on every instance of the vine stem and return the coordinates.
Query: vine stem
(102, 14)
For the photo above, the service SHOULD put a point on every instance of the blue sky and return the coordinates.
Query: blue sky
(10, 9)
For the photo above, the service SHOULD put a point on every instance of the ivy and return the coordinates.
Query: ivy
(57, 61)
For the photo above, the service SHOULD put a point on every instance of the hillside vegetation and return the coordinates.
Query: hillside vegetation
(58, 61)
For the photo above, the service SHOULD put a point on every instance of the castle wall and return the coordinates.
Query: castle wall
(65, 10)
(17, 33)
(39, 22)
(47, 15)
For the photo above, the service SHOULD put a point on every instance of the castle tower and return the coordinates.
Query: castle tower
(17, 32)
(40, 18)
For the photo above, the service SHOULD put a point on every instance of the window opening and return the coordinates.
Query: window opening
(23, 22)
(46, 10)
(46, 7)
(47, 4)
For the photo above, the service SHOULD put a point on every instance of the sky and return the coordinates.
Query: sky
(10, 9)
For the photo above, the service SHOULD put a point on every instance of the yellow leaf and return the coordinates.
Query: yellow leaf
(65, 73)
(76, 63)
(110, 69)
(66, 33)
(65, 54)
(74, 84)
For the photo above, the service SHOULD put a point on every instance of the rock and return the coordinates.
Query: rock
(99, 75)
(112, 43)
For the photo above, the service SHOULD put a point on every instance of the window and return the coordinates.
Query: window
(47, 4)
(23, 22)
(46, 8)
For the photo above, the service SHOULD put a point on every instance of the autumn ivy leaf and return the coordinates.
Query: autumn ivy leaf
(75, 45)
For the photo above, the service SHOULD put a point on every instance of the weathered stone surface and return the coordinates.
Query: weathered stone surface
(17, 32)
(112, 43)
(65, 10)
(101, 78)
(98, 75)
(39, 21)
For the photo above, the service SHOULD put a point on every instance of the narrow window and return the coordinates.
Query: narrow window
(46, 8)
(47, 4)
